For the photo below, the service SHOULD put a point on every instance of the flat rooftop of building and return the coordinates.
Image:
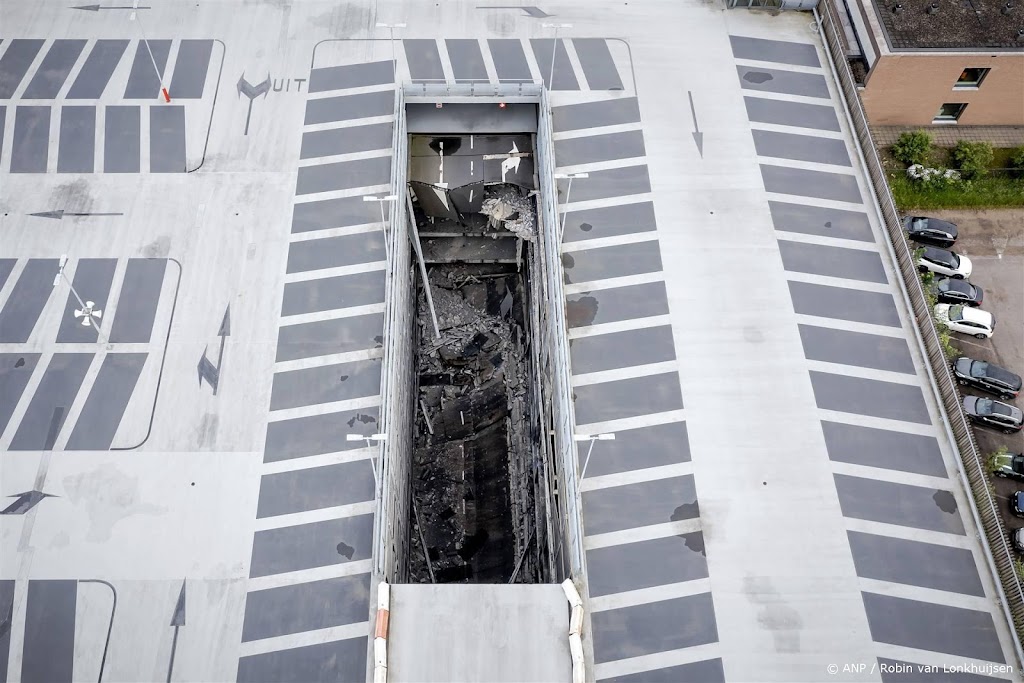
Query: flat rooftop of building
(954, 25)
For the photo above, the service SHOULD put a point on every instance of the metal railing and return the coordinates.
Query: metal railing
(555, 348)
(444, 88)
(973, 471)
(391, 523)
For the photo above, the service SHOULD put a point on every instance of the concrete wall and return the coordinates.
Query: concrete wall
(908, 89)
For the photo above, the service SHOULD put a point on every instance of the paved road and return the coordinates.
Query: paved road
(779, 498)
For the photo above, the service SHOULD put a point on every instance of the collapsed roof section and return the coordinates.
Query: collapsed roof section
(450, 175)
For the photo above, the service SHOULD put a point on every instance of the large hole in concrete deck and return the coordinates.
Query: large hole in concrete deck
(478, 513)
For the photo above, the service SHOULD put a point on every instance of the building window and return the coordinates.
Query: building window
(950, 113)
(971, 78)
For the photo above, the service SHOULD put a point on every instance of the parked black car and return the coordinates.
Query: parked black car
(1008, 465)
(1002, 416)
(987, 377)
(950, 291)
(1017, 503)
(930, 231)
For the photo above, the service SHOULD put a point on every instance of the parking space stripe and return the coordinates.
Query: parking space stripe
(705, 671)
(49, 638)
(350, 107)
(30, 143)
(92, 277)
(914, 563)
(928, 626)
(653, 627)
(306, 607)
(785, 52)
(190, 67)
(785, 113)
(323, 143)
(597, 63)
(801, 147)
(351, 76)
(53, 71)
(467, 60)
(645, 564)
(43, 420)
(341, 335)
(840, 262)
(15, 64)
(140, 295)
(622, 349)
(77, 147)
(314, 488)
(803, 182)
(111, 391)
(509, 60)
(869, 397)
(544, 49)
(318, 663)
(640, 504)
(627, 398)
(884, 448)
(329, 293)
(15, 372)
(782, 81)
(844, 304)
(317, 544)
(26, 300)
(343, 175)
(99, 66)
(622, 219)
(316, 434)
(856, 348)
(910, 506)
(122, 140)
(423, 60)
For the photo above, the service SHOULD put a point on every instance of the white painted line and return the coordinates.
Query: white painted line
(645, 596)
(658, 660)
(334, 232)
(807, 165)
(604, 203)
(313, 516)
(779, 66)
(939, 597)
(630, 372)
(829, 281)
(608, 283)
(625, 423)
(319, 460)
(324, 408)
(348, 123)
(857, 207)
(909, 533)
(892, 475)
(800, 99)
(643, 533)
(340, 194)
(827, 241)
(600, 130)
(605, 481)
(798, 130)
(612, 241)
(293, 640)
(620, 326)
(878, 422)
(595, 166)
(328, 359)
(322, 273)
(332, 314)
(864, 373)
(337, 158)
(849, 325)
(380, 87)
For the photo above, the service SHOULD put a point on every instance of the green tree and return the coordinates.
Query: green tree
(972, 159)
(1017, 162)
(913, 148)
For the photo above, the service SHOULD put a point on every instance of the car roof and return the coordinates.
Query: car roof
(975, 315)
(955, 284)
(938, 224)
(1003, 375)
(936, 254)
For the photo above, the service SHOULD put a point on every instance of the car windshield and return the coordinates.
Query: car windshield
(956, 312)
(919, 223)
(944, 285)
(1017, 464)
(979, 369)
(954, 260)
(986, 406)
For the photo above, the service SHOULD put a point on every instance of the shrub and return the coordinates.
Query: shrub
(913, 148)
(990, 461)
(972, 158)
(1017, 162)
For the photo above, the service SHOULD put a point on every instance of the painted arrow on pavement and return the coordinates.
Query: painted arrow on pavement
(97, 8)
(177, 621)
(252, 92)
(698, 137)
(207, 370)
(60, 213)
(25, 502)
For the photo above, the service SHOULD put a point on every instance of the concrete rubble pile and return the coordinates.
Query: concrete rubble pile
(472, 441)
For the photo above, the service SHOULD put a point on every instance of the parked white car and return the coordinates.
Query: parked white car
(944, 262)
(960, 318)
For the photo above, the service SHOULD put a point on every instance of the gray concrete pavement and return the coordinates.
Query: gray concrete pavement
(734, 528)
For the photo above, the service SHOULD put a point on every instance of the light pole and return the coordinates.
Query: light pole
(554, 51)
(369, 439)
(88, 310)
(394, 57)
(568, 190)
(592, 438)
(384, 225)
(159, 76)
